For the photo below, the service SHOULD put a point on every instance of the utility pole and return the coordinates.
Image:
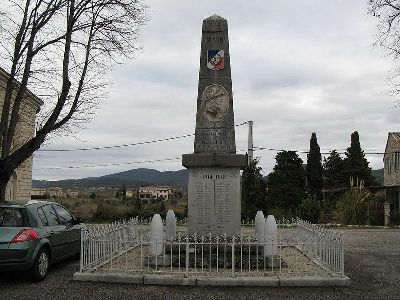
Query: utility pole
(250, 143)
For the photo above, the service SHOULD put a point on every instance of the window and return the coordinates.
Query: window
(13, 217)
(63, 215)
(51, 215)
(42, 216)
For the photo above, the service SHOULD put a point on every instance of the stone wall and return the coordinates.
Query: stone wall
(392, 169)
(19, 187)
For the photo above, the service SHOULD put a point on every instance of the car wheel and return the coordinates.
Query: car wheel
(41, 265)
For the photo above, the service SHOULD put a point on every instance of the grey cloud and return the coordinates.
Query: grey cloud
(297, 67)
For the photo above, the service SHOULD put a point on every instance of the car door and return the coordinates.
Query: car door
(73, 231)
(56, 232)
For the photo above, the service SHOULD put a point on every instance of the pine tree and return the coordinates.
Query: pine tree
(356, 165)
(314, 169)
(286, 183)
(253, 191)
(334, 171)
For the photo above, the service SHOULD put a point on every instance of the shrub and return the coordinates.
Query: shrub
(310, 209)
(352, 207)
(376, 210)
(279, 213)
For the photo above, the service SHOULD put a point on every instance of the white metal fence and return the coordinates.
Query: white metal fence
(125, 246)
(323, 244)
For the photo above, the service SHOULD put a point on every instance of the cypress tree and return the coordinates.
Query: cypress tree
(356, 165)
(314, 169)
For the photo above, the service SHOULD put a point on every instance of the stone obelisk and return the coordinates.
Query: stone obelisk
(214, 167)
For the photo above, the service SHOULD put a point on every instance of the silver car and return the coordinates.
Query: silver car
(35, 235)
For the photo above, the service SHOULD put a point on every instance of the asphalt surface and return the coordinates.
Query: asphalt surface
(372, 261)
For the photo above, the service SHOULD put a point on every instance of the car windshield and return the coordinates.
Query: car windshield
(13, 217)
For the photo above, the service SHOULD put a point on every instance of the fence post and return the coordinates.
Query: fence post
(187, 257)
(82, 253)
(233, 256)
(341, 255)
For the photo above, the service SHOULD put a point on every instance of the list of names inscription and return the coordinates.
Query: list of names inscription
(214, 193)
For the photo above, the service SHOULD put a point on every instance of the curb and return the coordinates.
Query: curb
(237, 281)
(168, 280)
(314, 281)
(109, 277)
(161, 279)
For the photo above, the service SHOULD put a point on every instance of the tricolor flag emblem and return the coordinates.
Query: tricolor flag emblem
(215, 59)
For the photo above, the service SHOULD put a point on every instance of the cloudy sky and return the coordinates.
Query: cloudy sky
(297, 67)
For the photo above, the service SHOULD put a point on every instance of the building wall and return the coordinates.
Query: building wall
(392, 160)
(392, 169)
(393, 198)
(154, 192)
(19, 187)
(38, 192)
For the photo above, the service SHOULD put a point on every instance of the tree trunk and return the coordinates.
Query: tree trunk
(5, 176)
(3, 188)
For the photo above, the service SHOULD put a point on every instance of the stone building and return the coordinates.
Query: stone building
(154, 192)
(20, 185)
(391, 161)
(131, 193)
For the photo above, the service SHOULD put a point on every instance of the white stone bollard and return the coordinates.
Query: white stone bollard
(260, 226)
(271, 236)
(156, 235)
(170, 225)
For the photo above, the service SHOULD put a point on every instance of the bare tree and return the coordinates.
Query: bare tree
(388, 14)
(59, 49)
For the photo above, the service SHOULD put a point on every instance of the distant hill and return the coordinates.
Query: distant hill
(137, 177)
(378, 174)
(132, 179)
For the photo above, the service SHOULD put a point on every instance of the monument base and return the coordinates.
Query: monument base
(214, 201)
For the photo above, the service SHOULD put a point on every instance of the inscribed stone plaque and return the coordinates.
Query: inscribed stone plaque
(214, 200)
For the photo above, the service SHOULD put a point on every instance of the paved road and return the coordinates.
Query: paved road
(372, 261)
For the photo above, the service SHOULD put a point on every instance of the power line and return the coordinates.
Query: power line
(305, 151)
(127, 145)
(110, 165)
(176, 158)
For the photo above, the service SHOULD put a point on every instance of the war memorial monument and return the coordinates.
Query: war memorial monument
(213, 247)
(214, 167)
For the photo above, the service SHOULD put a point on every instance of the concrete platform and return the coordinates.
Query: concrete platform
(166, 279)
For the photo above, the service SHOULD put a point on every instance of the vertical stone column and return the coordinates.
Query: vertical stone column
(214, 167)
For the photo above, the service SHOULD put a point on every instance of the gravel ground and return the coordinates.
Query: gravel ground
(295, 264)
(372, 261)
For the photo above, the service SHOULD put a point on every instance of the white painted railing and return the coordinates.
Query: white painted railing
(124, 246)
(100, 242)
(321, 243)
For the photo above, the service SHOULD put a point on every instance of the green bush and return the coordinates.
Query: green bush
(352, 207)
(376, 210)
(280, 213)
(310, 209)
